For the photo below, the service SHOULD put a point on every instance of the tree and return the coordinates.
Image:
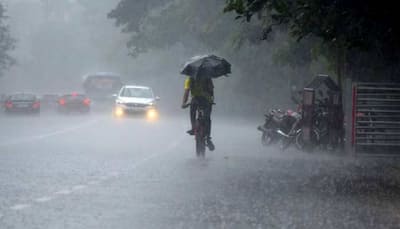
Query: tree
(6, 42)
(201, 26)
(131, 15)
(158, 24)
(352, 23)
(347, 27)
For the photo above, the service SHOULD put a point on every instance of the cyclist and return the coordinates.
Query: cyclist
(202, 94)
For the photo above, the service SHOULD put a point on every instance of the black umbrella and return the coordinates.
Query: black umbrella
(208, 66)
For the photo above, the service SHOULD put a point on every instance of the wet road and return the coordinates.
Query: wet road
(92, 171)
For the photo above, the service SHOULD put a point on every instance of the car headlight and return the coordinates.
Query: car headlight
(152, 114)
(119, 112)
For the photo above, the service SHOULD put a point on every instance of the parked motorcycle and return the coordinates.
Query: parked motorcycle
(273, 118)
(291, 130)
(280, 127)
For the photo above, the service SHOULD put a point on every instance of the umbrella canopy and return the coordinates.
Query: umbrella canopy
(208, 66)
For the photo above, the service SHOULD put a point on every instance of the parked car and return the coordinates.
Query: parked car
(74, 102)
(22, 103)
(133, 99)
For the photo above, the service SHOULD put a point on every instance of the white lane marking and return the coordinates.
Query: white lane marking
(47, 135)
(78, 187)
(44, 199)
(63, 192)
(113, 174)
(169, 148)
(70, 129)
(18, 207)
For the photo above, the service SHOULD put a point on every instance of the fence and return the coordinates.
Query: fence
(376, 119)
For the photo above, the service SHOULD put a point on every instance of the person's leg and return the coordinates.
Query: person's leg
(193, 108)
(208, 110)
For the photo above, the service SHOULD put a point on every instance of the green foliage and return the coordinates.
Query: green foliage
(6, 43)
(161, 24)
(131, 14)
(135, 17)
(364, 25)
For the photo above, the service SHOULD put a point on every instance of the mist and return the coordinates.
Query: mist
(58, 42)
(99, 128)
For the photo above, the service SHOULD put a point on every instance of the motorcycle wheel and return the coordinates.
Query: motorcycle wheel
(266, 139)
(285, 143)
(300, 144)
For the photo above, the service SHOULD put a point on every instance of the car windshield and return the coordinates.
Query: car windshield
(74, 97)
(102, 84)
(137, 93)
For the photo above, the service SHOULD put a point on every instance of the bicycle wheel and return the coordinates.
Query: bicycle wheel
(200, 140)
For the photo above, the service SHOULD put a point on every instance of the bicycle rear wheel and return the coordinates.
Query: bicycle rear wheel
(200, 140)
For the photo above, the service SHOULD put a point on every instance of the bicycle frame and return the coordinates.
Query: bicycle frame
(200, 132)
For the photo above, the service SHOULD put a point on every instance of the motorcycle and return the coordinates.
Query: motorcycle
(291, 130)
(280, 127)
(273, 118)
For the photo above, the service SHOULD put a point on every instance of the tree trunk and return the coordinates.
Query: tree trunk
(340, 64)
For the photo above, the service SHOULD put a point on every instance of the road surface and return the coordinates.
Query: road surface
(92, 171)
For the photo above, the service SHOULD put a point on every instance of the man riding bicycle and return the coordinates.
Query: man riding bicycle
(202, 93)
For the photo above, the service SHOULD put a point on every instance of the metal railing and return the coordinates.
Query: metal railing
(376, 118)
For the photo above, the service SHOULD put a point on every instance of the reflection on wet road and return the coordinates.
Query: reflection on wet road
(92, 171)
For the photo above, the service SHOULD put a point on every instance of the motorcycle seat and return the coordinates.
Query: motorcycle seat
(278, 118)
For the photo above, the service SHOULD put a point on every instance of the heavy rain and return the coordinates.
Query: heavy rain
(199, 114)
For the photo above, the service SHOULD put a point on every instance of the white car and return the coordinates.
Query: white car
(136, 100)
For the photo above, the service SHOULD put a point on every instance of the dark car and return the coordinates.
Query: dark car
(101, 86)
(74, 103)
(22, 103)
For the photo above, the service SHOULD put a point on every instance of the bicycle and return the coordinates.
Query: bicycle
(200, 130)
